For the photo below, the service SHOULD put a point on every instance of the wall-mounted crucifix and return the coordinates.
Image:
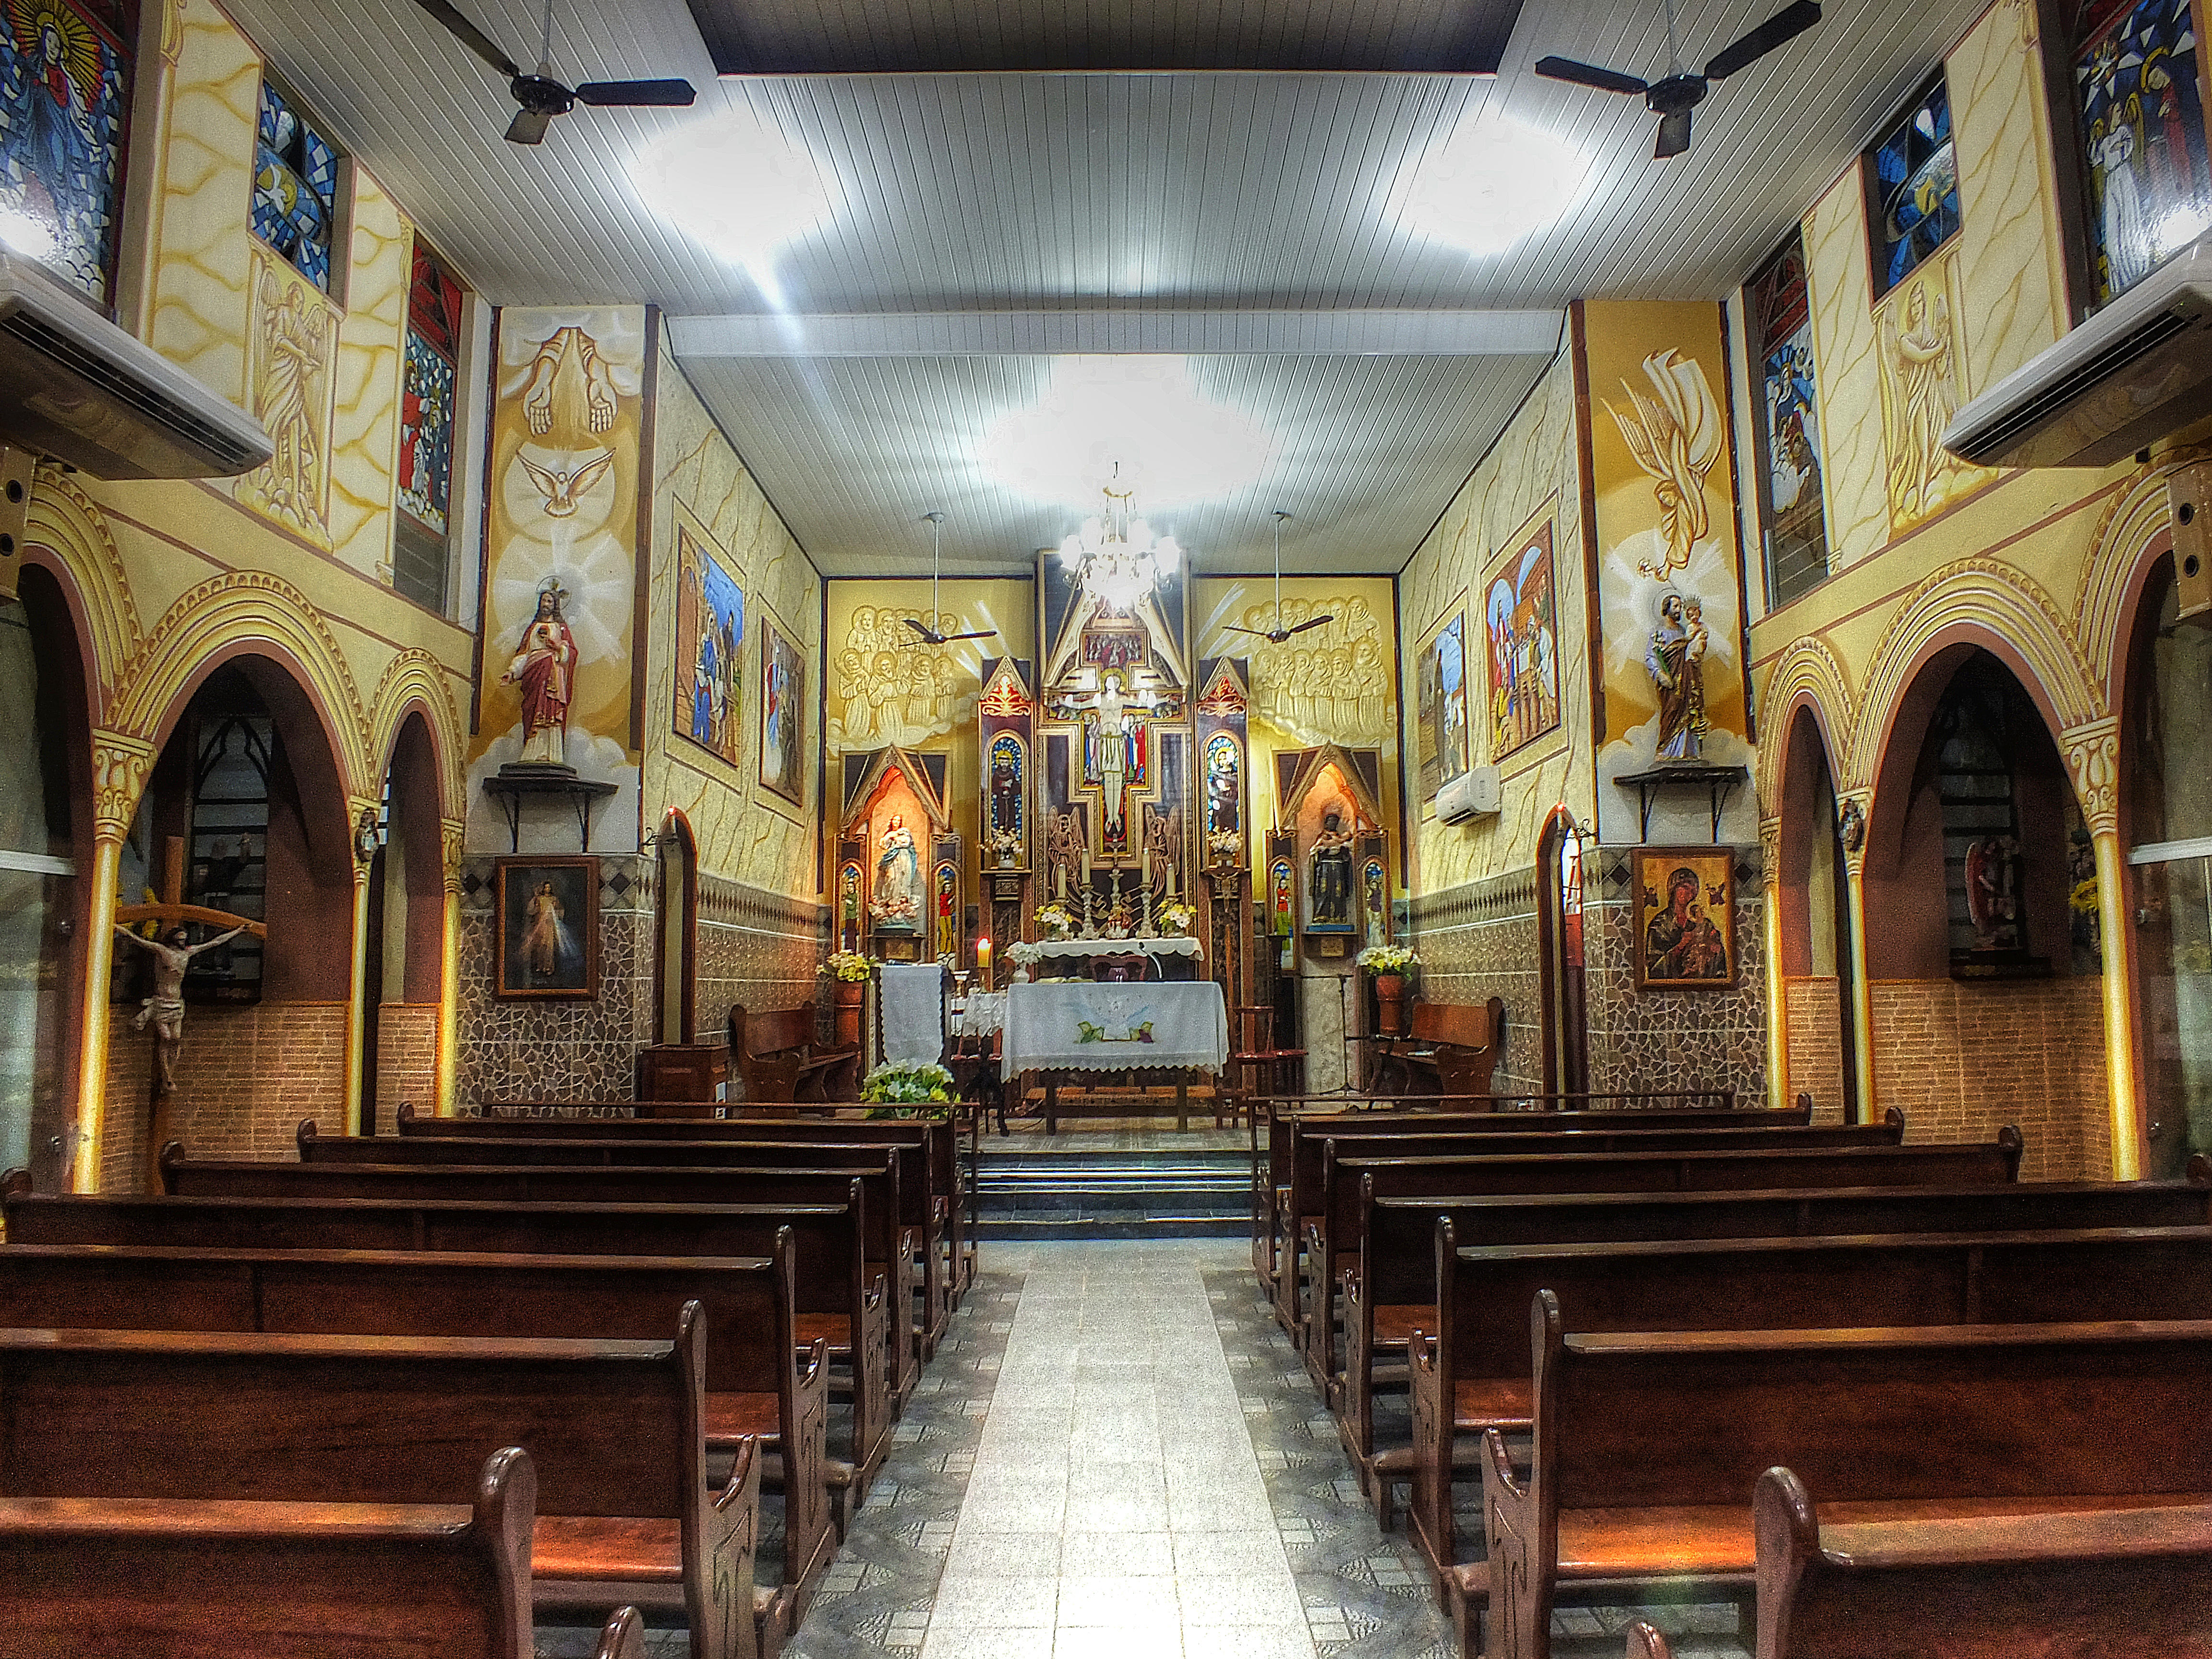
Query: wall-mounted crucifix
(172, 951)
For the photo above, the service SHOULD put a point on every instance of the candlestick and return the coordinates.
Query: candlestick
(983, 962)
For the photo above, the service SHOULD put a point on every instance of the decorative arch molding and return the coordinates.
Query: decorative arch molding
(414, 682)
(238, 611)
(1810, 674)
(1981, 601)
(2121, 547)
(69, 524)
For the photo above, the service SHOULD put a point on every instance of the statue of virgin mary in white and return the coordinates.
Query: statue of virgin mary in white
(898, 898)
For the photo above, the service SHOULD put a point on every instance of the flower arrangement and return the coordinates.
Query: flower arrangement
(1387, 958)
(1056, 919)
(909, 1084)
(1177, 918)
(848, 965)
(2082, 901)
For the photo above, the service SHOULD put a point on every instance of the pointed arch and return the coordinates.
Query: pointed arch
(414, 682)
(68, 535)
(1808, 676)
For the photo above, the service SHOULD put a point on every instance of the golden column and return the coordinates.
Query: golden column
(1851, 829)
(453, 836)
(362, 815)
(1778, 1013)
(2093, 757)
(119, 766)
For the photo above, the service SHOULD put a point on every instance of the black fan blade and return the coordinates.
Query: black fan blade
(1310, 622)
(1785, 25)
(633, 93)
(982, 634)
(1673, 134)
(471, 36)
(1589, 75)
(918, 626)
(1256, 633)
(529, 126)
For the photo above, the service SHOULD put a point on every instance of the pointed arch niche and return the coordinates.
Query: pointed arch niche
(1814, 899)
(404, 961)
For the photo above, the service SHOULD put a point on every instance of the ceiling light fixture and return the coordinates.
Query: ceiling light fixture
(737, 186)
(1491, 183)
(1142, 411)
(1115, 557)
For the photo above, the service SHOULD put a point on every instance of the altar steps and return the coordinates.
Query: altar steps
(1201, 1193)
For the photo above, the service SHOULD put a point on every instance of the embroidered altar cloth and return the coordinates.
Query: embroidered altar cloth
(1077, 1026)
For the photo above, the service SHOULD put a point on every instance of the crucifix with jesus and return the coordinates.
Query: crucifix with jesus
(172, 951)
(1116, 714)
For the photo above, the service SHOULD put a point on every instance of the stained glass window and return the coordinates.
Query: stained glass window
(65, 115)
(2143, 136)
(1913, 188)
(1778, 316)
(428, 390)
(296, 186)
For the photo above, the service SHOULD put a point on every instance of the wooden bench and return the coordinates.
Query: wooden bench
(778, 1059)
(1647, 1446)
(210, 1579)
(1449, 1047)
(1475, 1373)
(727, 1173)
(1391, 1289)
(1978, 1587)
(615, 1433)
(816, 1244)
(1329, 1230)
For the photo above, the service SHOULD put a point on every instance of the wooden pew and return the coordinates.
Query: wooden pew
(1449, 1047)
(1316, 1161)
(778, 1059)
(1393, 1288)
(615, 1433)
(202, 1578)
(1476, 1370)
(930, 1184)
(873, 1167)
(818, 1246)
(1647, 1446)
(1978, 1587)
(902, 1220)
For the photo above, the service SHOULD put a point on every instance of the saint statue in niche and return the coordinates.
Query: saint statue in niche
(1676, 661)
(544, 674)
(1332, 873)
(173, 953)
(1223, 789)
(1993, 893)
(897, 900)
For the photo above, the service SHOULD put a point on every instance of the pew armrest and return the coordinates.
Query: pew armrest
(623, 1637)
(731, 1537)
(1520, 1598)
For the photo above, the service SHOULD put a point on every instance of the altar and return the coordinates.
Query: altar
(1173, 957)
(1061, 1029)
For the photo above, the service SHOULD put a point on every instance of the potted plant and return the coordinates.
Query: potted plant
(908, 1088)
(848, 984)
(1056, 919)
(1177, 918)
(1389, 965)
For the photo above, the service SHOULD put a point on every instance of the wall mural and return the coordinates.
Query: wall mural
(291, 349)
(1923, 381)
(1670, 565)
(783, 715)
(65, 92)
(710, 628)
(1519, 608)
(560, 565)
(1440, 707)
(2142, 132)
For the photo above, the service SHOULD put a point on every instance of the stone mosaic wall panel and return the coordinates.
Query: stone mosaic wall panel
(575, 1051)
(1815, 1035)
(1963, 1060)
(1478, 941)
(1679, 1039)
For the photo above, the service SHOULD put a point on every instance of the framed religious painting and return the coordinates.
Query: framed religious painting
(1523, 635)
(783, 716)
(1440, 707)
(547, 940)
(710, 627)
(1685, 918)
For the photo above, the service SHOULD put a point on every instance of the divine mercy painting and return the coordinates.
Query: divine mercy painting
(548, 938)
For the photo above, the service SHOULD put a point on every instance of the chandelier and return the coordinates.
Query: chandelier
(1115, 557)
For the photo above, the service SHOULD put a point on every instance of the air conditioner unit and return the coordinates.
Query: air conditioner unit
(1472, 794)
(2128, 376)
(76, 388)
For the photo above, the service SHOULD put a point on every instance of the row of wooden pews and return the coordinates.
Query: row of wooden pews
(658, 1323)
(1929, 1374)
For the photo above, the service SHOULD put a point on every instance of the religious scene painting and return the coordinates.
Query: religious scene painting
(1913, 188)
(710, 627)
(1520, 623)
(64, 113)
(549, 927)
(2142, 135)
(1685, 918)
(1440, 707)
(783, 716)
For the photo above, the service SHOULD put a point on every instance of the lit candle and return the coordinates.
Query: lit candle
(983, 960)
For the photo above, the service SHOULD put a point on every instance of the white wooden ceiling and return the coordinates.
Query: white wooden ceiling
(1161, 197)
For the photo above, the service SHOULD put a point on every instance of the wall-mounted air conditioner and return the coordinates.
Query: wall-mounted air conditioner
(1472, 794)
(77, 389)
(2132, 373)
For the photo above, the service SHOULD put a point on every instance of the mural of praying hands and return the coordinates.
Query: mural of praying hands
(1675, 438)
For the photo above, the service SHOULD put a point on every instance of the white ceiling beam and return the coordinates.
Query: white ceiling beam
(1059, 333)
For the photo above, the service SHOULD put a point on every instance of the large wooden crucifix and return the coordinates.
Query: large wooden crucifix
(173, 952)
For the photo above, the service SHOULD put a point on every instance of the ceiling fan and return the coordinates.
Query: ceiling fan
(930, 636)
(1674, 94)
(540, 95)
(1278, 633)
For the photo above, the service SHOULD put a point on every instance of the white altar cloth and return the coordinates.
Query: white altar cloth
(1033, 951)
(1078, 1025)
(914, 1011)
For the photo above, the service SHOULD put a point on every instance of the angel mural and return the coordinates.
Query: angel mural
(1676, 437)
(1923, 379)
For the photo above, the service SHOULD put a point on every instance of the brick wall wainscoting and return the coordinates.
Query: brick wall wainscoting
(1815, 1016)
(406, 1061)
